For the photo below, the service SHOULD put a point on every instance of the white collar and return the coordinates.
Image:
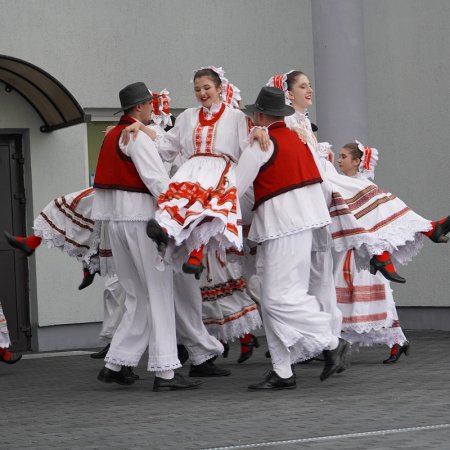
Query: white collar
(215, 108)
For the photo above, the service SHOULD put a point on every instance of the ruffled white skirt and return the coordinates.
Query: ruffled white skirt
(200, 206)
(372, 221)
(367, 305)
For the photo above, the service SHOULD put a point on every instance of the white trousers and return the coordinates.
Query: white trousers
(321, 283)
(191, 331)
(296, 328)
(149, 318)
(113, 307)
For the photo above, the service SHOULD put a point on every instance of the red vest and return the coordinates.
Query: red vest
(291, 165)
(115, 170)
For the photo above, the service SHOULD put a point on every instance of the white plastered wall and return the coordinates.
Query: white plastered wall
(408, 70)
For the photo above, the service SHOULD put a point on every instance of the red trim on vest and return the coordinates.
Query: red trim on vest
(291, 166)
(115, 170)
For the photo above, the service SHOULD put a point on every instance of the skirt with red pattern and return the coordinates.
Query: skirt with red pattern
(200, 206)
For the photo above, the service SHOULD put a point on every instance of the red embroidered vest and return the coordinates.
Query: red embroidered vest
(115, 170)
(291, 165)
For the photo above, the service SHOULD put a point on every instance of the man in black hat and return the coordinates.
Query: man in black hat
(129, 177)
(289, 205)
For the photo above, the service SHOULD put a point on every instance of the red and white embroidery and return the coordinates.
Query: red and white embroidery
(204, 142)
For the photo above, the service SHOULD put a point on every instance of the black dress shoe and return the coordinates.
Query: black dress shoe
(157, 234)
(335, 359)
(274, 382)
(396, 352)
(87, 280)
(13, 358)
(440, 231)
(208, 369)
(183, 354)
(110, 376)
(249, 352)
(100, 354)
(129, 372)
(376, 265)
(13, 242)
(178, 382)
(267, 354)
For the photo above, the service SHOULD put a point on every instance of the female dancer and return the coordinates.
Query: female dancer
(376, 224)
(5, 355)
(366, 302)
(200, 207)
(228, 311)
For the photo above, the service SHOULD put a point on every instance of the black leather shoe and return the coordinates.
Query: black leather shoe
(208, 369)
(267, 354)
(183, 354)
(439, 233)
(157, 234)
(396, 352)
(13, 242)
(129, 373)
(100, 354)
(376, 265)
(14, 357)
(87, 280)
(110, 376)
(335, 359)
(274, 382)
(178, 382)
(247, 354)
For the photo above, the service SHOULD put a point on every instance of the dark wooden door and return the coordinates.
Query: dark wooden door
(13, 264)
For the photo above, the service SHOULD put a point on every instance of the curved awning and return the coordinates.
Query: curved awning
(53, 102)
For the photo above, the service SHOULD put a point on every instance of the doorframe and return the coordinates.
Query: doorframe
(29, 218)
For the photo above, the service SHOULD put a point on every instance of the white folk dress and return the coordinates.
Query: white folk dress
(200, 206)
(4, 335)
(364, 217)
(228, 310)
(367, 305)
(66, 223)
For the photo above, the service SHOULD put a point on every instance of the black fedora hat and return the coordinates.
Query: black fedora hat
(132, 95)
(271, 101)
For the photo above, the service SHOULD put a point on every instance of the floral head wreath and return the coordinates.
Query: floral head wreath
(368, 162)
(280, 82)
(161, 109)
(224, 82)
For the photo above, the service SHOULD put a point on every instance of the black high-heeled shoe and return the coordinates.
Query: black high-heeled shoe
(88, 279)
(376, 265)
(157, 234)
(396, 352)
(439, 233)
(195, 269)
(226, 349)
(249, 352)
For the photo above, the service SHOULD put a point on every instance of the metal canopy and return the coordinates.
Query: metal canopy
(53, 102)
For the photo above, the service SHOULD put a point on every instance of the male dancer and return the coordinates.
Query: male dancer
(127, 177)
(289, 204)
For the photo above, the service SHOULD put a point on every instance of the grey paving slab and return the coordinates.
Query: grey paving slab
(58, 403)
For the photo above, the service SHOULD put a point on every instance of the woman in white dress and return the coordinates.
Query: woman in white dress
(368, 308)
(377, 225)
(200, 208)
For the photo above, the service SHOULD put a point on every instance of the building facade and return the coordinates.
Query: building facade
(379, 77)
